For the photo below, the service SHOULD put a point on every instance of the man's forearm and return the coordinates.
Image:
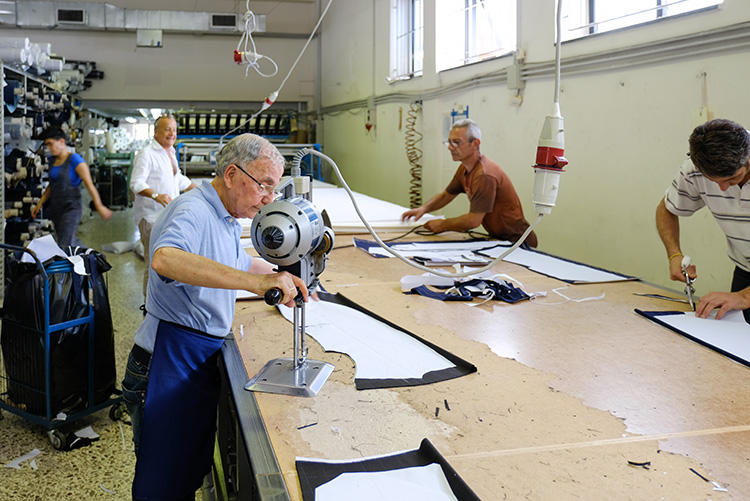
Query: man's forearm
(438, 201)
(668, 226)
(194, 269)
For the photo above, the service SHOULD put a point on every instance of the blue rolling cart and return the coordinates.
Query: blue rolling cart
(30, 382)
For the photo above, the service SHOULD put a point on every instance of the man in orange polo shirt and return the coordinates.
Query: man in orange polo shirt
(493, 201)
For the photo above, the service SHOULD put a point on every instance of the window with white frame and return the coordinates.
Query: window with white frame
(407, 35)
(473, 30)
(586, 17)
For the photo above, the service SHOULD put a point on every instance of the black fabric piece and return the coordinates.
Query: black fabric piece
(501, 291)
(461, 368)
(467, 290)
(741, 280)
(23, 340)
(480, 252)
(313, 474)
(425, 291)
(654, 317)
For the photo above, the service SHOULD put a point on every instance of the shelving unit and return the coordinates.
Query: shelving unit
(29, 105)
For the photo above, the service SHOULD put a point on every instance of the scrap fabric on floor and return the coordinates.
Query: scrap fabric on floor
(729, 336)
(419, 474)
(386, 356)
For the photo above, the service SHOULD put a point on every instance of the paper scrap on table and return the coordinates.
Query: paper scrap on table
(16, 463)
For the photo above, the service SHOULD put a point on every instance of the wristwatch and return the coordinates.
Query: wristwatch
(154, 195)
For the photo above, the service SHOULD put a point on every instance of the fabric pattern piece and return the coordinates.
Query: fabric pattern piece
(316, 473)
(385, 355)
(728, 336)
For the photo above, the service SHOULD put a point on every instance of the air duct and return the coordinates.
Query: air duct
(100, 16)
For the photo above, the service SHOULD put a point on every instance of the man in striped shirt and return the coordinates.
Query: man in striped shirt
(716, 176)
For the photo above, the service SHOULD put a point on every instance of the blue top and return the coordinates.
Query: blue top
(195, 222)
(75, 161)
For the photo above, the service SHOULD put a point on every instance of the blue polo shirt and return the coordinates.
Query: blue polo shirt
(195, 222)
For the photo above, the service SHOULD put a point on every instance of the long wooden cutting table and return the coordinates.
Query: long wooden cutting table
(566, 394)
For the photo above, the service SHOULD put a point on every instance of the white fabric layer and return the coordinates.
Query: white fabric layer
(378, 350)
(730, 334)
(414, 483)
(556, 267)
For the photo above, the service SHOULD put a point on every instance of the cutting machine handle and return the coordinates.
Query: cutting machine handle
(273, 296)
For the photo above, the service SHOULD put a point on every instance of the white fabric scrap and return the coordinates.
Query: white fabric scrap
(16, 463)
(106, 490)
(87, 432)
(718, 487)
(418, 482)
(580, 300)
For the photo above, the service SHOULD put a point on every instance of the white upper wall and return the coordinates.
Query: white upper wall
(192, 67)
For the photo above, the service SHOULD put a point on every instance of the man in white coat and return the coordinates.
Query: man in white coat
(156, 180)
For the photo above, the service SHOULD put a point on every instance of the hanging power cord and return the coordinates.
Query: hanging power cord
(271, 98)
(395, 253)
(251, 58)
(414, 154)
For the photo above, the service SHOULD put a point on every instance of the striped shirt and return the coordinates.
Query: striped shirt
(691, 190)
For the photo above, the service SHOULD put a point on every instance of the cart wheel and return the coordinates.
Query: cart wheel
(116, 412)
(56, 438)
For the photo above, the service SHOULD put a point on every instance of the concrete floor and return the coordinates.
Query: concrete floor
(103, 470)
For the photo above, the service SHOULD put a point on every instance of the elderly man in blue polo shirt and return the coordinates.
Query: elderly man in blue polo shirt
(171, 383)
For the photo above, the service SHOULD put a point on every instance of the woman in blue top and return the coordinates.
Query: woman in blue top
(63, 195)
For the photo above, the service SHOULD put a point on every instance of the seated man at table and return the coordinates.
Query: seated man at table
(171, 381)
(493, 201)
(716, 176)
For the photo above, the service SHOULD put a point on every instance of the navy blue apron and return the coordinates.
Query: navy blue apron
(64, 206)
(179, 418)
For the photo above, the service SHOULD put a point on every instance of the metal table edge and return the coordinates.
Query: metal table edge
(268, 475)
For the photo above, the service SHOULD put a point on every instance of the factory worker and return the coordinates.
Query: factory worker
(67, 171)
(715, 176)
(493, 202)
(171, 385)
(156, 180)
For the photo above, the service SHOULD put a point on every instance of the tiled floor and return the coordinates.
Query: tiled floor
(103, 470)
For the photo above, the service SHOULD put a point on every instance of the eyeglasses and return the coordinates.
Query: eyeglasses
(264, 188)
(456, 142)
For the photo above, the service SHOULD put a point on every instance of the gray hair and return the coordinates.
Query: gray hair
(472, 129)
(719, 148)
(245, 148)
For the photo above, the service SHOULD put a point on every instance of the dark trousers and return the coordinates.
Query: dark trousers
(741, 280)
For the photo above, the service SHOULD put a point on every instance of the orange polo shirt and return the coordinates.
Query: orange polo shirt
(491, 192)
